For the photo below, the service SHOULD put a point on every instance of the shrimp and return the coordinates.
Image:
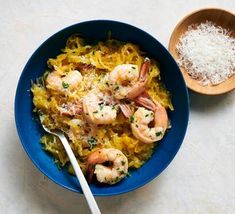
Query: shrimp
(60, 83)
(143, 117)
(97, 110)
(126, 109)
(70, 109)
(107, 174)
(127, 82)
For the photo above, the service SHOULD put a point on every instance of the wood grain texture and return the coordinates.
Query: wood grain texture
(220, 17)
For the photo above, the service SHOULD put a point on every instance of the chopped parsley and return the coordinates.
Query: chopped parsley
(133, 67)
(158, 133)
(116, 179)
(101, 107)
(40, 82)
(65, 85)
(146, 115)
(123, 162)
(95, 112)
(92, 142)
(122, 172)
(132, 118)
(38, 111)
(116, 88)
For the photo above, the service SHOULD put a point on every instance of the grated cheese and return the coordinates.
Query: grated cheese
(207, 52)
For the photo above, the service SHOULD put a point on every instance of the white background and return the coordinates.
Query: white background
(201, 179)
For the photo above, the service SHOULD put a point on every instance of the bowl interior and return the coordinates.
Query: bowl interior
(220, 17)
(30, 130)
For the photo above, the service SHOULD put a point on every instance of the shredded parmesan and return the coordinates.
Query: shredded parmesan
(207, 52)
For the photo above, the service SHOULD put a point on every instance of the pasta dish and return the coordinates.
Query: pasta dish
(108, 99)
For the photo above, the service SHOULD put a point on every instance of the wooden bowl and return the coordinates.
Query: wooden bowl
(220, 17)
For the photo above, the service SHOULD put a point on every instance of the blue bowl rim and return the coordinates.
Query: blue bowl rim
(21, 137)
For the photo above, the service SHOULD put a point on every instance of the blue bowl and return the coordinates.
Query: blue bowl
(30, 130)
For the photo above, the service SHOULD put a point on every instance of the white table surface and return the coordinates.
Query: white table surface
(201, 179)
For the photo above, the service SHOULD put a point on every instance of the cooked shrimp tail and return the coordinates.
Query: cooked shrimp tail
(143, 117)
(128, 81)
(161, 115)
(107, 174)
(145, 101)
(144, 70)
(126, 110)
(96, 157)
(139, 87)
(161, 118)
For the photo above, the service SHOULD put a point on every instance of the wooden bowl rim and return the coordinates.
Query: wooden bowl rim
(195, 89)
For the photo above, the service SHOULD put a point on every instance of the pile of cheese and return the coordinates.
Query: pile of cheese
(207, 52)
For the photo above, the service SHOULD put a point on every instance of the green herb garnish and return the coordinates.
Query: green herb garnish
(158, 133)
(40, 82)
(65, 85)
(132, 118)
(116, 88)
(92, 142)
(116, 179)
(101, 107)
(38, 111)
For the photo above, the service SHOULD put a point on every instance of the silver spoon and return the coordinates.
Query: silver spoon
(84, 185)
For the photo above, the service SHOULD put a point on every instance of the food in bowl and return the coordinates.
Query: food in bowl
(206, 51)
(108, 99)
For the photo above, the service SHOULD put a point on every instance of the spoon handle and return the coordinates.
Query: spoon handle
(85, 187)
